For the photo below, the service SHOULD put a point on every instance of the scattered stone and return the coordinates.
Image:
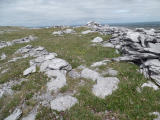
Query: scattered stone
(44, 98)
(15, 115)
(90, 74)
(15, 59)
(63, 103)
(4, 71)
(57, 33)
(81, 67)
(29, 70)
(150, 84)
(99, 63)
(117, 52)
(6, 88)
(82, 83)
(139, 89)
(57, 64)
(58, 79)
(97, 40)
(30, 117)
(105, 86)
(87, 31)
(112, 72)
(106, 44)
(74, 74)
(32, 114)
(24, 40)
(3, 56)
(50, 56)
(155, 113)
(69, 31)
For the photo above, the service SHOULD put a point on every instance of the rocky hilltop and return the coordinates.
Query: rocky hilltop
(65, 89)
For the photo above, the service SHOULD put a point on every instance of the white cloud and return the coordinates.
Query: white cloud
(120, 11)
(49, 12)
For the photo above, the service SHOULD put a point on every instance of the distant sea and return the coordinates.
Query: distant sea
(146, 25)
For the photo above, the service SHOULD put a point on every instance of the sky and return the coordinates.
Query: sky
(76, 12)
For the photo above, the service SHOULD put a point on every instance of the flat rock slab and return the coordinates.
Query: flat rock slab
(29, 70)
(100, 63)
(6, 88)
(57, 64)
(105, 86)
(15, 115)
(69, 31)
(4, 71)
(97, 40)
(57, 33)
(150, 84)
(154, 48)
(133, 36)
(50, 56)
(3, 56)
(108, 45)
(90, 74)
(112, 72)
(63, 103)
(87, 31)
(81, 67)
(14, 59)
(74, 74)
(58, 79)
(30, 117)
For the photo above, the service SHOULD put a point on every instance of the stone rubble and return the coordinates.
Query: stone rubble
(68, 31)
(17, 41)
(5, 89)
(139, 46)
(56, 69)
(97, 40)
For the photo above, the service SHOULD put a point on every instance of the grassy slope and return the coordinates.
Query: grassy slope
(124, 103)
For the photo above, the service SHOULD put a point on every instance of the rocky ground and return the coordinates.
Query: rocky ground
(80, 73)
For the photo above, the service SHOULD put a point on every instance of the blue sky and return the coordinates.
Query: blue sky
(72, 12)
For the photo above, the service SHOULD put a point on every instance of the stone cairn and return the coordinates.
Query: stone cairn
(140, 46)
(93, 24)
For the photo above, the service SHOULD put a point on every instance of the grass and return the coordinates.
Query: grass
(125, 103)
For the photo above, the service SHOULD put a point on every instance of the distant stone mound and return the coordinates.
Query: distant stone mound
(93, 24)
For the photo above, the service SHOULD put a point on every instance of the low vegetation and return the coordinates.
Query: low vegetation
(125, 103)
